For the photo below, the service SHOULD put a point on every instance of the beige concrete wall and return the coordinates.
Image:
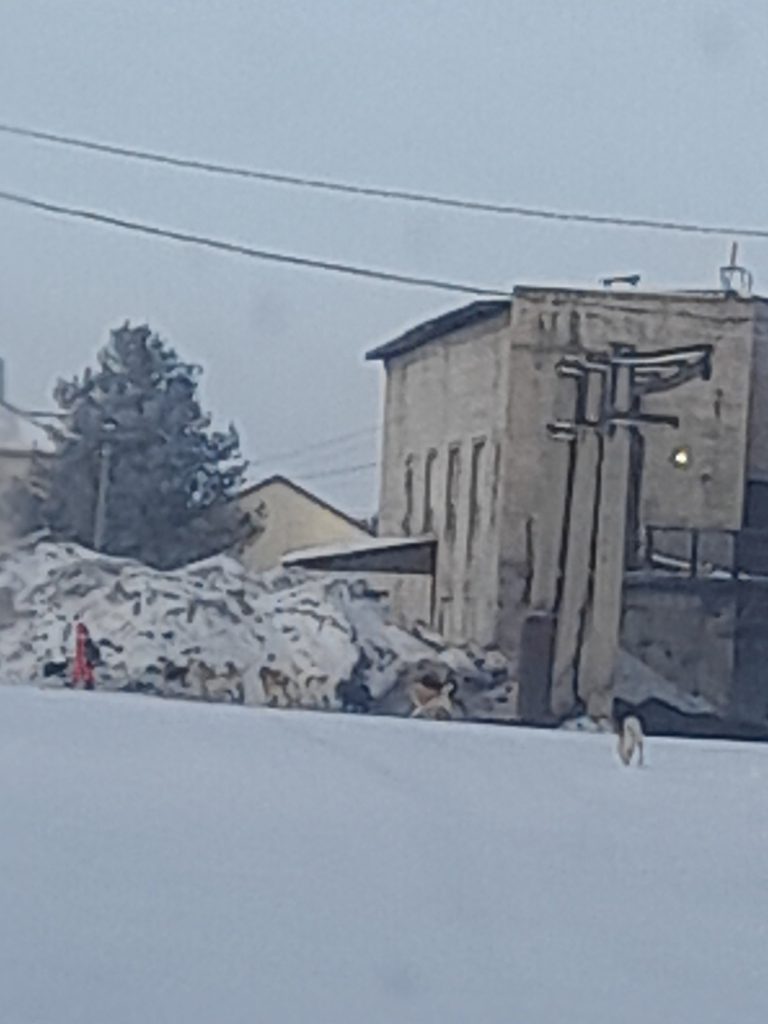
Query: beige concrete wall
(535, 468)
(451, 394)
(709, 494)
(713, 424)
(757, 452)
(713, 414)
(292, 521)
(687, 636)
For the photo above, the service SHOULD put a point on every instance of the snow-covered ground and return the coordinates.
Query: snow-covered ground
(201, 864)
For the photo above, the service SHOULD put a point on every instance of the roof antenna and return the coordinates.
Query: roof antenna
(735, 279)
(633, 280)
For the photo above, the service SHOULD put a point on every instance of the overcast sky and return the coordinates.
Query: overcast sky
(654, 108)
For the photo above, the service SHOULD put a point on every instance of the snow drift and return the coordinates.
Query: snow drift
(213, 631)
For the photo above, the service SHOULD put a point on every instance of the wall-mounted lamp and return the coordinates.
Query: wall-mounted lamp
(681, 458)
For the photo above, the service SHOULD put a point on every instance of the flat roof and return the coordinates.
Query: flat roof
(412, 555)
(487, 309)
(637, 292)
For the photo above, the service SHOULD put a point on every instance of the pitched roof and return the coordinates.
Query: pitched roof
(22, 432)
(277, 478)
(431, 330)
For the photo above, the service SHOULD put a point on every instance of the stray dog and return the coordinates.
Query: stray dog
(630, 733)
(278, 688)
(55, 668)
(431, 699)
(212, 684)
(355, 697)
(174, 673)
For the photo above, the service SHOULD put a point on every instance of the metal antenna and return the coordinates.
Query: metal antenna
(735, 279)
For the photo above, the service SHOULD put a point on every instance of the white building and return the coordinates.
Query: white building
(22, 435)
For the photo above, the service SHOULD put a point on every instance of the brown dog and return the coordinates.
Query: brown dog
(277, 687)
(430, 699)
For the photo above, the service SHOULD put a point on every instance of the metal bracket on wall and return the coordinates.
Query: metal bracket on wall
(650, 373)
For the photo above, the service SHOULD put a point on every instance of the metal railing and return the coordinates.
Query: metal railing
(692, 552)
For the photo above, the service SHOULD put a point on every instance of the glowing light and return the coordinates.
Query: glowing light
(681, 458)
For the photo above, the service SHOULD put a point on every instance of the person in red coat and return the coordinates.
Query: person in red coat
(82, 669)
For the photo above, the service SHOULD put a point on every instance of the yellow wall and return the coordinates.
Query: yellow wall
(292, 521)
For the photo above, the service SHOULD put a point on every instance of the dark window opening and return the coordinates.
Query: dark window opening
(452, 492)
(495, 482)
(444, 614)
(478, 447)
(408, 484)
(756, 511)
(633, 538)
(429, 512)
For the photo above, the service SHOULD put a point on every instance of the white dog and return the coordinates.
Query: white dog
(631, 740)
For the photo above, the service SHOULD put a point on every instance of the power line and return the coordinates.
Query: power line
(237, 249)
(377, 192)
(328, 442)
(341, 471)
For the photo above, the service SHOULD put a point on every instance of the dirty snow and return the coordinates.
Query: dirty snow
(637, 683)
(314, 631)
(169, 861)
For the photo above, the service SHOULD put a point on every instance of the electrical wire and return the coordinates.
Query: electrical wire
(377, 192)
(328, 442)
(235, 248)
(341, 471)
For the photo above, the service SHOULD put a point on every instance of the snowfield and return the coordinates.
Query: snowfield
(164, 861)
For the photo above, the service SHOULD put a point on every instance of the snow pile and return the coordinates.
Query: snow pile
(636, 683)
(213, 631)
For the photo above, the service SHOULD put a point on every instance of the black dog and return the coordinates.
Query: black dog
(53, 669)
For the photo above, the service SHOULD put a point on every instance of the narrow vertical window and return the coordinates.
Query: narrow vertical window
(452, 492)
(495, 481)
(409, 487)
(475, 472)
(445, 616)
(428, 522)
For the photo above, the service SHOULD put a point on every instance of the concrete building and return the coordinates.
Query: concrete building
(559, 443)
(292, 519)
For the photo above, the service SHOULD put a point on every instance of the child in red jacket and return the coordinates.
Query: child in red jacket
(82, 669)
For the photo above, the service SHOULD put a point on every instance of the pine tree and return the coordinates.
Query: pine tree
(132, 430)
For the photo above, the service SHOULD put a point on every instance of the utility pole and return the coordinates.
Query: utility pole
(608, 408)
(105, 464)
